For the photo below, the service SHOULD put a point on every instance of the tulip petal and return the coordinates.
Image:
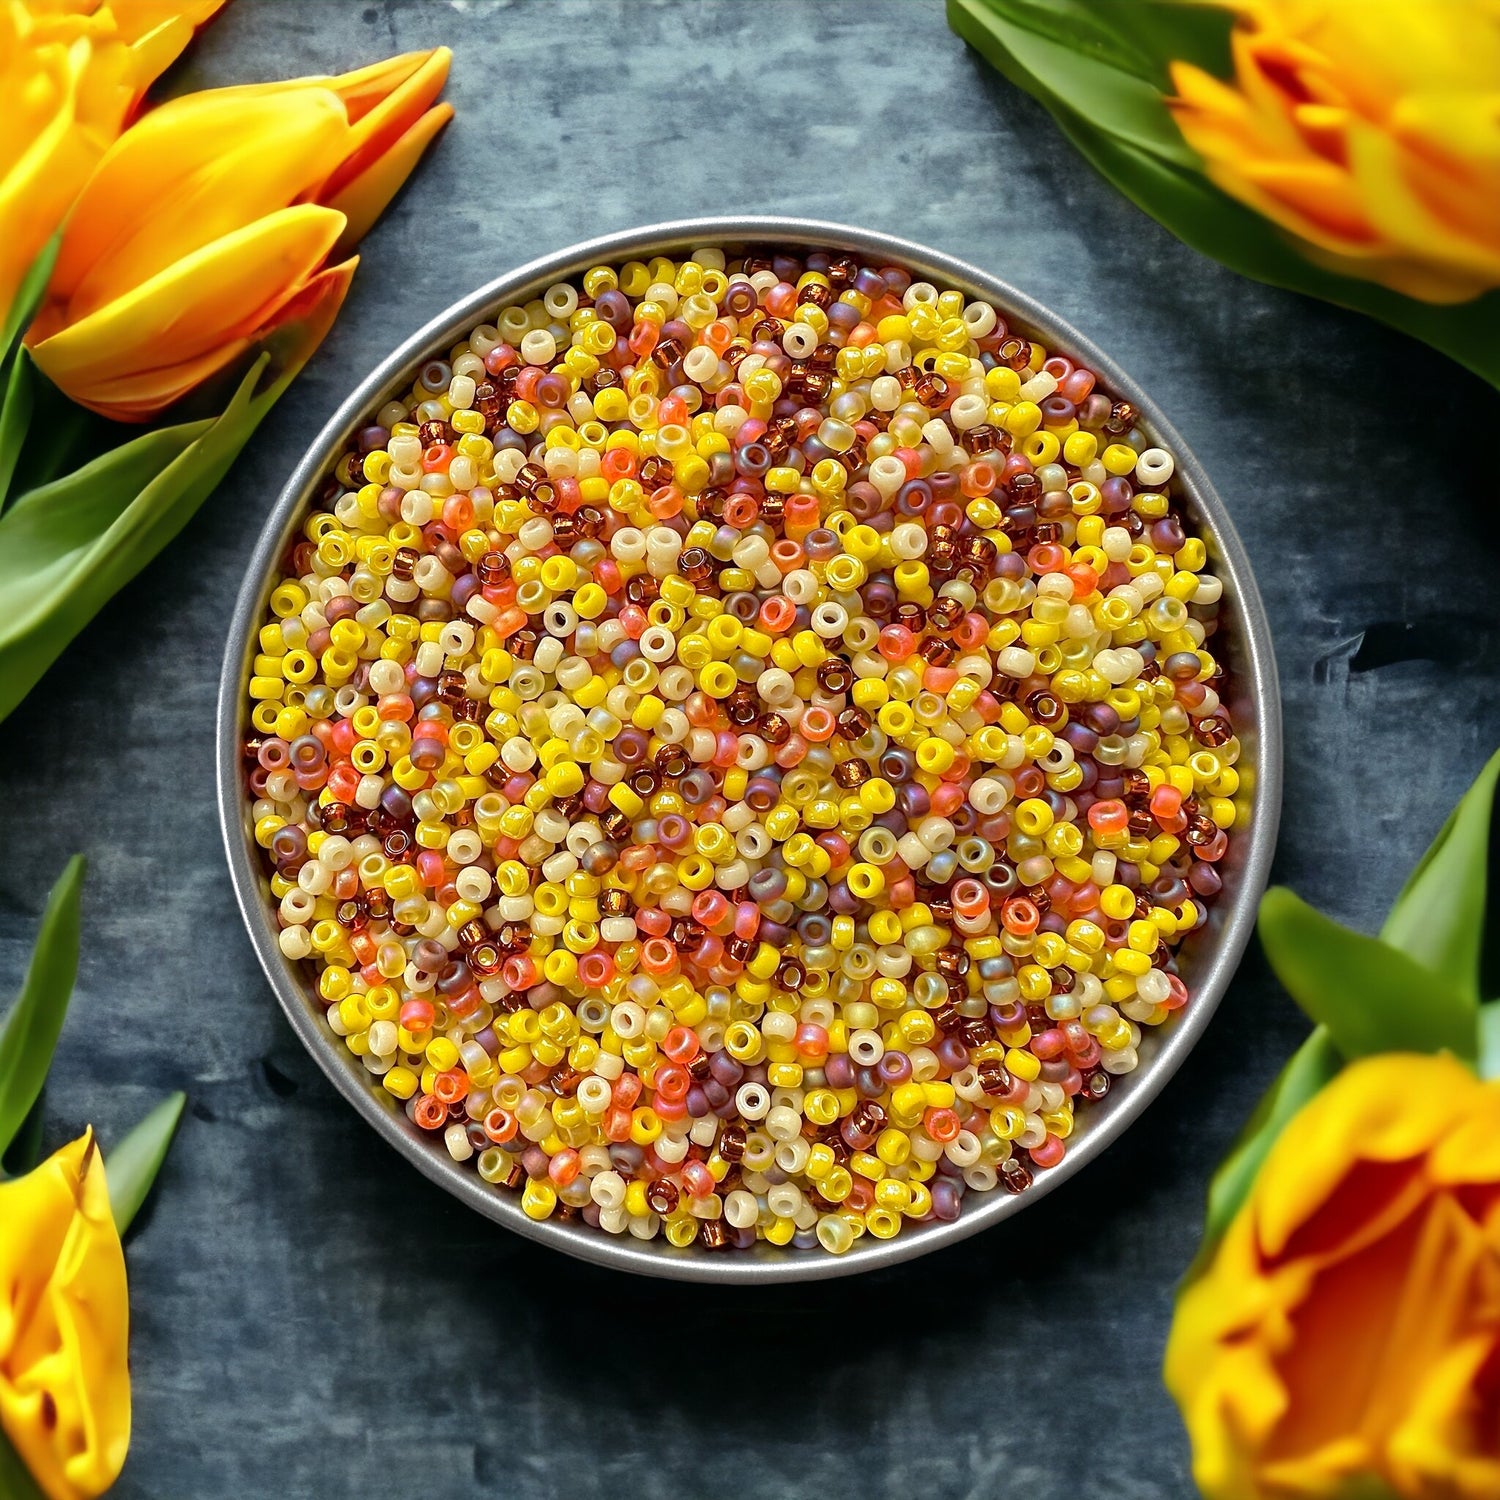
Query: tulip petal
(378, 128)
(207, 166)
(364, 198)
(64, 1324)
(364, 89)
(139, 18)
(1354, 1118)
(220, 294)
(70, 104)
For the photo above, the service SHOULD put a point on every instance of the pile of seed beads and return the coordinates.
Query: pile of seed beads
(737, 748)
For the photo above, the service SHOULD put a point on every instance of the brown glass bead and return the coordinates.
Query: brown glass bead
(867, 1117)
(644, 780)
(522, 645)
(774, 729)
(732, 1143)
(1201, 831)
(1063, 980)
(952, 960)
(713, 1233)
(791, 974)
(432, 434)
(672, 761)
(773, 508)
(493, 568)
(1137, 785)
(1121, 418)
(975, 1031)
(936, 653)
(1096, 1085)
(485, 959)
(642, 589)
(661, 1196)
(404, 563)
(473, 932)
(1014, 352)
(912, 616)
(743, 706)
(942, 559)
(768, 330)
(397, 845)
(564, 1079)
(614, 902)
(737, 948)
(1015, 1175)
(994, 1076)
(378, 903)
(816, 293)
(1141, 823)
(667, 353)
(615, 825)
(352, 915)
(980, 552)
(1046, 709)
(945, 615)
(851, 773)
(1214, 730)
(851, 724)
(946, 1017)
(931, 390)
(337, 817)
(695, 565)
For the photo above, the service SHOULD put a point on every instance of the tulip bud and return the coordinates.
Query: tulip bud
(69, 79)
(1370, 130)
(211, 221)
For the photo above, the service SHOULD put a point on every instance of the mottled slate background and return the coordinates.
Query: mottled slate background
(311, 1318)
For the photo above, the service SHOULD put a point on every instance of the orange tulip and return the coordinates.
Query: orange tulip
(70, 74)
(64, 1325)
(1369, 129)
(212, 222)
(1345, 1339)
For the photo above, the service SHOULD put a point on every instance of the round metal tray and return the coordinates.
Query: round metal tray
(1207, 959)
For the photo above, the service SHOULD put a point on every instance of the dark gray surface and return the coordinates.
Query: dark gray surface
(311, 1318)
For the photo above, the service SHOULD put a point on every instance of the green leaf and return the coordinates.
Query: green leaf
(1311, 1066)
(68, 546)
(1124, 149)
(1043, 44)
(1489, 1041)
(25, 1151)
(15, 417)
(132, 1166)
(1370, 996)
(16, 1482)
(1440, 917)
(30, 1034)
(29, 294)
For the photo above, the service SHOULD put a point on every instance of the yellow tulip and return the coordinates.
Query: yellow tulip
(211, 222)
(70, 73)
(64, 1325)
(1345, 1339)
(1369, 129)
